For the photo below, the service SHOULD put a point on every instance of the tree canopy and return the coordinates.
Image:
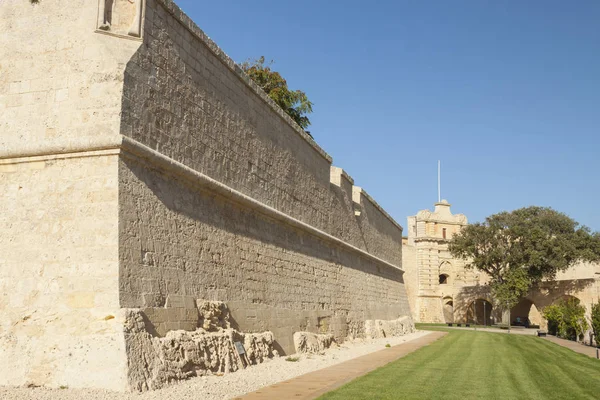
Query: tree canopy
(521, 248)
(293, 102)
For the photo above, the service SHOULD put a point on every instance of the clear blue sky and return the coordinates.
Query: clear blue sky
(505, 93)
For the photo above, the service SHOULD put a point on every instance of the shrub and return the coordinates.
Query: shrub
(596, 322)
(566, 319)
(293, 359)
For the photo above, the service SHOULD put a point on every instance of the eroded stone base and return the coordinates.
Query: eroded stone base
(312, 343)
(375, 329)
(154, 362)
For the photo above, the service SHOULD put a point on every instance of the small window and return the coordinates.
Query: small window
(444, 233)
(443, 279)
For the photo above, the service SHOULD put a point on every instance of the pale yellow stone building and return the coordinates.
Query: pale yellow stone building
(441, 289)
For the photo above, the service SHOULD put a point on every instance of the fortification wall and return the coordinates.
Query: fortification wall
(140, 169)
(411, 276)
(60, 99)
(274, 276)
(59, 303)
(186, 99)
(60, 81)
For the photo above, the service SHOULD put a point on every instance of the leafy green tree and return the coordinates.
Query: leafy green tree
(293, 102)
(521, 248)
(596, 322)
(566, 319)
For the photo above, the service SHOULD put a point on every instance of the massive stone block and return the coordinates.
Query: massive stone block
(140, 170)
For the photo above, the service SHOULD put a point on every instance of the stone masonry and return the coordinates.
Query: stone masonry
(141, 171)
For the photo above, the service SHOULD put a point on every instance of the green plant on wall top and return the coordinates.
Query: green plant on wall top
(293, 102)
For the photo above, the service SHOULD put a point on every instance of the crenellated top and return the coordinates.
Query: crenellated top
(359, 193)
(442, 214)
(439, 225)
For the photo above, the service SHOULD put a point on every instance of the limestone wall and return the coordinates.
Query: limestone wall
(140, 169)
(180, 240)
(411, 276)
(59, 303)
(186, 99)
(60, 82)
(60, 99)
(382, 235)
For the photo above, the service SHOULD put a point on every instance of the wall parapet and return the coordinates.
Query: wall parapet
(193, 28)
(358, 191)
(337, 174)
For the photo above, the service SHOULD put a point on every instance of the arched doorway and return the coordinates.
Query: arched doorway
(480, 313)
(526, 314)
(448, 309)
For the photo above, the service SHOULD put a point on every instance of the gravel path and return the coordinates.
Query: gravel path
(226, 386)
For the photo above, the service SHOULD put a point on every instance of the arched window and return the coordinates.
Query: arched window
(443, 279)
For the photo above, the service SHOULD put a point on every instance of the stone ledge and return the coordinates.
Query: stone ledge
(62, 148)
(132, 148)
(135, 150)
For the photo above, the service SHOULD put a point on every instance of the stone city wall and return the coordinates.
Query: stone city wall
(59, 272)
(140, 171)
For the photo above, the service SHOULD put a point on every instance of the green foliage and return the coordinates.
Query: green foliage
(521, 248)
(293, 102)
(514, 285)
(566, 318)
(596, 322)
(292, 359)
(388, 345)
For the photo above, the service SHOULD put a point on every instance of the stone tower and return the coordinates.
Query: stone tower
(433, 276)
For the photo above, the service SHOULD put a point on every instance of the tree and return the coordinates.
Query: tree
(519, 249)
(293, 102)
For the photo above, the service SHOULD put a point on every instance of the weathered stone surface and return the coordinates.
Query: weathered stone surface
(312, 343)
(273, 277)
(158, 361)
(112, 148)
(214, 315)
(375, 329)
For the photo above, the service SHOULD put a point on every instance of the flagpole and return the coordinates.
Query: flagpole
(439, 184)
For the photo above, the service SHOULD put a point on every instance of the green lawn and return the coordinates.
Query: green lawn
(481, 365)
